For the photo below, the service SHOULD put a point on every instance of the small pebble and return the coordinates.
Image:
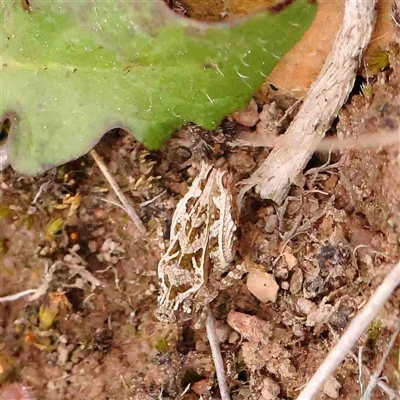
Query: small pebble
(285, 285)
(68, 258)
(68, 366)
(298, 331)
(249, 116)
(233, 337)
(222, 332)
(331, 182)
(281, 272)
(270, 390)
(63, 339)
(262, 285)
(151, 289)
(305, 306)
(92, 246)
(99, 212)
(332, 387)
(291, 260)
(271, 223)
(296, 281)
(200, 387)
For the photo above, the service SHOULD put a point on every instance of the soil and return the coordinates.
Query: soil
(94, 334)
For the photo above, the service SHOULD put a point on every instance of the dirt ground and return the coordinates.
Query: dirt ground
(96, 336)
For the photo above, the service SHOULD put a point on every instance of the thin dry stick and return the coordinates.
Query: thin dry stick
(34, 294)
(388, 390)
(217, 357)
(352, 334)
(375, 376)
(380, 138)
(146, 203)
(16, 296)
(360, 369)
(323, 102)
(39, 193)
(385, 388)
(127, 206)
(114, 203)
(48, 275)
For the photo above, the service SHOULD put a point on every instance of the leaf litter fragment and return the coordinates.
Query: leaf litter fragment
(71, 71)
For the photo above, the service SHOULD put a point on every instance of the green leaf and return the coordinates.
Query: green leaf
(53, 227)
(72, 70)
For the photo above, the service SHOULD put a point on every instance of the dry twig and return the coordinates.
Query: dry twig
(48, 276)
(40, 191)
(375, 376)
(323, 102)
(388, 390)
(380, 138)
(17, 296)
(384, 387)
(146, 203)
(127, 206)
(217, 357)
(352, 334)
(34, 294)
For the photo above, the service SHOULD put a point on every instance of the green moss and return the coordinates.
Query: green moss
(162, 345)
(374, 330)
(28, 221)
(53, 227)
(377, 61)
(4, 211)
(367, 91)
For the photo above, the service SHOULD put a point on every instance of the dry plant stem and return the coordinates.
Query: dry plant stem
(16, 296)
(352, 334)
(379, 138)
(148, 202)
(375, 376)
(127, 206)
(35, 294)
(385, 388)
(217, 357)
(388, 390)
(38, 194)
(322, 103)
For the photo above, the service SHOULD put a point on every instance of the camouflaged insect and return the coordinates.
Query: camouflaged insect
(201, 246)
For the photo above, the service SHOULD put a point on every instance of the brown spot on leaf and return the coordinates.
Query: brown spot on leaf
(280, 6)
(26, 5)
